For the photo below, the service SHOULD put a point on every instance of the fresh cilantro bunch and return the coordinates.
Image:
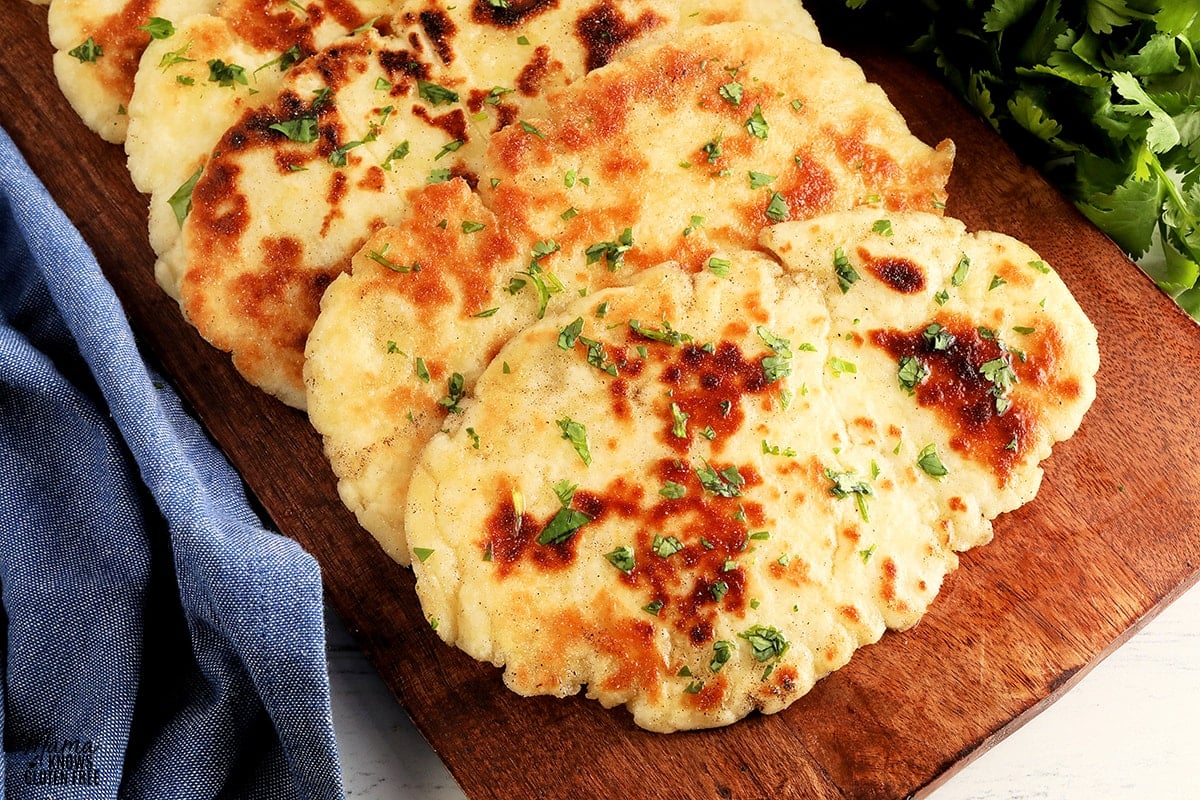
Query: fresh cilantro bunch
(1103, 95)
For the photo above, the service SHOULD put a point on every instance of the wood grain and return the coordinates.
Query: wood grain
(1110, 539)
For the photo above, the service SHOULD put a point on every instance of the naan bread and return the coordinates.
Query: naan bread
(749, 494)
(416, 109)
(98, 44)
(195, 84)
(567, 186)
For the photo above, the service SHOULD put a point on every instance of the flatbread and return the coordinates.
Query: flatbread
(415, 105)
(195, 84)
(565, 191)
(98, 45)
(750, 494)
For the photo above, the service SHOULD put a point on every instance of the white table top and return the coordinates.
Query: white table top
(1128, 730)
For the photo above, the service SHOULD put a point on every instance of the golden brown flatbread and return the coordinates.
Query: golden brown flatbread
(758, 486)
(586, 198)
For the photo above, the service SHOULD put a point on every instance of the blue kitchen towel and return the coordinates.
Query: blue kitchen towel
(156, 641)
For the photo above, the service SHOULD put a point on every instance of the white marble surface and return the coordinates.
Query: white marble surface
(1130, 730)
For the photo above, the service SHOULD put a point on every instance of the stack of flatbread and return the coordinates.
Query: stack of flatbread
(636, 328)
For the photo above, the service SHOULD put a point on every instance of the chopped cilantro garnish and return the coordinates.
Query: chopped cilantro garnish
(847, 276)
(181, 201)
(454, 393)
(766, 642)
(87, 52)
(563, 525)
(613, 253)
(224, 74)
(301, 129)
(576, 434)
(666, 334)
(621, 558)
(722, 652)
(960, 271)
(937, 337)
(666, 546)
(929, 461)
(672, 490)
(679, 420)
(158, 28)
(731, 93)
(911, 373)
(570, 334)
(777, 208)
(434, 94)
(757, 125)
(847, 484)
(724, 483)
(760, 179)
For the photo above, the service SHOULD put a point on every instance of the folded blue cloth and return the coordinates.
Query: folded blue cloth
(155, 639)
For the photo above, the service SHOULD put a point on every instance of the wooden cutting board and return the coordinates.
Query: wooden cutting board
(1112, 537)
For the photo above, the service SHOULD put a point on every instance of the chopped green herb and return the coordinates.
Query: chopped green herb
(576, 434)
(158, 28)
(929, 461)
(718, 590)
(422, 553)
(756, 125)
(731, 93)
(472, 227)
(722, 652)
(666, 335)
(840, 367)
(847, 276)
(398, 154)
(563, 525)
(996, 282)
(224, 74)
(776, 450)
(434, 94)
(613, 253)
(301, 129)
(181, 201)
(454, 393)
(883, 227)
(912, 372)
(421, 370)
(621, 558)
(777, 208)
(678, 422)
(666, 546)
(528, 128)
(960, 271)
(937, 337)
(766, 642)
(712, 150)
(570, 334)
(175, 57)
(725, 483)
(866, 553)
(719, 266)
(380, 257)
(672, 490)
(847, 484)
(760, 179)
(999, 373)
(88, 52)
